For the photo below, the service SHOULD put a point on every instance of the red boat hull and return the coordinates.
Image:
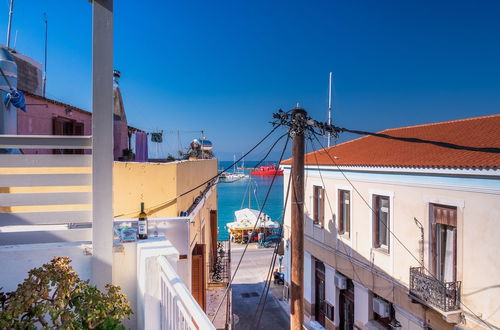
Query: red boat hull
(267, 171)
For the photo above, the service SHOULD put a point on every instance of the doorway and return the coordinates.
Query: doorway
(346, 309)
(319, 303)
(198, 287)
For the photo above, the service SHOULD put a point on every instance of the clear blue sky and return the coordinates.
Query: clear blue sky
(225, 66)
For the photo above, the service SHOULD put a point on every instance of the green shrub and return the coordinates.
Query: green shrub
(53, 296)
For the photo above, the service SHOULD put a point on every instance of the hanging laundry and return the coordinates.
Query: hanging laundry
(157, 137)
(141, 147)
(16, 98)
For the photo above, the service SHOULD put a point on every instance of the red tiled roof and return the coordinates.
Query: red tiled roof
(376, 151)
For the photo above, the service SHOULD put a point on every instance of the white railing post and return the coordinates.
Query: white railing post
(178, 305)
(102, 146)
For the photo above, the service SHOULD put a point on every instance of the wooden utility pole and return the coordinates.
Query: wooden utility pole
(297, 231)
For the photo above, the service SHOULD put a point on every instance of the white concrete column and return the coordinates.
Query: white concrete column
(102, 141)
(332, 293)
(308, 277)
(330, 288)
(362, 305)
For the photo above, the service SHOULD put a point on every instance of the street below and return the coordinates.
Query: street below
(248, 287)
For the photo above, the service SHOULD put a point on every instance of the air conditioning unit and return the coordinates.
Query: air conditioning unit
(286, 292)
(381, 307)
(340, 281)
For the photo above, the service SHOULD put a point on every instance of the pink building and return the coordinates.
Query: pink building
(45, 116)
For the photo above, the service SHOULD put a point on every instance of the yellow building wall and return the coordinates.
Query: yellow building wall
(190, 174)
(155, 184)
(158, 185)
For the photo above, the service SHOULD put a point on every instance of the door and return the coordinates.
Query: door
(65, 126)
(198, 288)
(319, 303)
(444, 242)
(346, 310)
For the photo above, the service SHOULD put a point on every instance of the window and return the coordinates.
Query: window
(443, 242)
(344, 212)
(65, 126)
(318, 205)
(381, 222)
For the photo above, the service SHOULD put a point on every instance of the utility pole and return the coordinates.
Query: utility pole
(11, 12)
(297, 231)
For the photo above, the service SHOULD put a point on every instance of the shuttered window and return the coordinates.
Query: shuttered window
(443, 242)
(344, 212)
(66, 126)
(318, 205)
(381, 222)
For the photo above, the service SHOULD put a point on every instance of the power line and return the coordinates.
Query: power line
(253, 229)
(418, 140)
(275, 252)
(393, 234)
(212, 178)
(315, 127)
(267, 285)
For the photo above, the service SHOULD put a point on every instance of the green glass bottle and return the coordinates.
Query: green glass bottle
(142, 224)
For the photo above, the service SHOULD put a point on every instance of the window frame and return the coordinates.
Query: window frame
(344, 227)
(376, 197)
(318, 198)
(434, 224)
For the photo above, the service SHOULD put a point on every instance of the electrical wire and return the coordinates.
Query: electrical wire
(392, 233)
(418, 140)
(5, 78)
(212, 178)
(265, 290)
(273, 259)
(346, 252)
(253, 229)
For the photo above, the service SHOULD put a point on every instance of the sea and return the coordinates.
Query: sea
(232, 197)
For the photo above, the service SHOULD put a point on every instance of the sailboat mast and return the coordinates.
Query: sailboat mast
(249, 194)
(329, 106)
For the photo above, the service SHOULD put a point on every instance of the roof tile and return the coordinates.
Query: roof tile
(376, 151)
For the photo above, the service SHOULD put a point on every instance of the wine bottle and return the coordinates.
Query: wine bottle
(142, 223)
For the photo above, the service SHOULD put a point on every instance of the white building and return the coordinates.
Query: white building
(411, 239)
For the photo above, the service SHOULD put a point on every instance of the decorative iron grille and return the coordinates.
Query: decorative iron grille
(220, 269)
(427, 289)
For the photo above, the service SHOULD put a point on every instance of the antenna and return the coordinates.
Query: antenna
(11, 12)
(329, 106)
(45, 58)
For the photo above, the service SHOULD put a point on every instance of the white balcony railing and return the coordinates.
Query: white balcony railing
(179, 309)
(45, 193)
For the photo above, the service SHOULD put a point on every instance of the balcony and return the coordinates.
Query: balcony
(220, 263)
(426, 289)
(47, 210)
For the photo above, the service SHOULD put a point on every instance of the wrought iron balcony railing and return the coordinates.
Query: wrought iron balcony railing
(430, 291)
(220, 264)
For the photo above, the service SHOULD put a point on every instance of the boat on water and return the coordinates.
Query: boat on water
(250, 224)
(267, 170)
(232, 177)
(236, 175)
